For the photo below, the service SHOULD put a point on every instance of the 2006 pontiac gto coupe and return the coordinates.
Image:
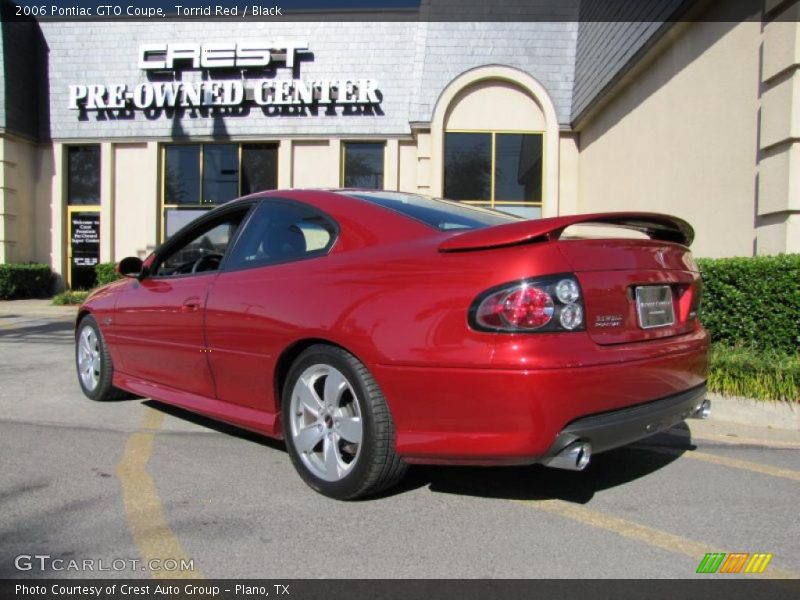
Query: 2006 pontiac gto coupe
(375, 329)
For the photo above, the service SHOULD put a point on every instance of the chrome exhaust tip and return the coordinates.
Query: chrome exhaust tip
(574, 457)
(703, 411)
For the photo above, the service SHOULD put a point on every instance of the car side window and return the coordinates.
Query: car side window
(204, 248)
(282, 231)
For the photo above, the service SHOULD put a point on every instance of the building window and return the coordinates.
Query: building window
(199, 176)
(363, 165)
(83, 175)
(501, 170)
(182, 174)
(259, 167)
(220, 173)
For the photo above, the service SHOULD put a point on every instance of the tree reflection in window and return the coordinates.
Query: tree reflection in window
(518, 167)
(468, 166)
(182, 174)
(497, 169)
(363, 165)
(220, 172)
(83, 175)
(259, 167)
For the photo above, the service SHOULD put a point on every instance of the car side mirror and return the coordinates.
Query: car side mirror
(131, 266)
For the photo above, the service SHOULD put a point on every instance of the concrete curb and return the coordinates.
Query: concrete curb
(758, 413)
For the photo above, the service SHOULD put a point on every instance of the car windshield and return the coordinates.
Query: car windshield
(444, 215)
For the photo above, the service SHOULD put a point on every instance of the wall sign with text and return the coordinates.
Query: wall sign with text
(247, 57)
(85, 242)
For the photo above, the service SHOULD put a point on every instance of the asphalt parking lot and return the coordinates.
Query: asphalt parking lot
(135, 480)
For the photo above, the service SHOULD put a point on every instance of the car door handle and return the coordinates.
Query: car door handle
(190, 305)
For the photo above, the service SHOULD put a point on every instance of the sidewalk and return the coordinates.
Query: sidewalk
(35, 308)
(730, 432)
(755, 413)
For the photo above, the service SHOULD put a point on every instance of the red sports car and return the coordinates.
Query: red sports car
(375, 329)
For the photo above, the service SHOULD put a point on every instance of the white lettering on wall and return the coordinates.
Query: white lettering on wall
(266, 92)
(245, 55)
(217, 55)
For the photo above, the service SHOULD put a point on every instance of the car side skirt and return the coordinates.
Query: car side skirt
(241, 416)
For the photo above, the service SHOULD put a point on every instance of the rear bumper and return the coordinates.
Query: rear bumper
(491, 416)
(609, 430)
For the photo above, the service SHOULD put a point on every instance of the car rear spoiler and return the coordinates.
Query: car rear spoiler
(664, 228)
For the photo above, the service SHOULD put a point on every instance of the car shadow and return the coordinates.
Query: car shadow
(218, 426)
(533, 482)
(52, 332)
(536, 482)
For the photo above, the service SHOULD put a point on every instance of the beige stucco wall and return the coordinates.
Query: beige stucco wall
(18, 160)
(681, 138)
(407, 167)
(136, 189)
(494, 105)
(779, 173)
(568, 161)
(316, 163)
(43, 210)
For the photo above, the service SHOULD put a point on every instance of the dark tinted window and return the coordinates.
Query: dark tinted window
(518, 167)
(220, 172)
(281, 231)
(259, 167)
(182, 174)
(468, 166)
(363, 165)
(442, 214)
(83, 179)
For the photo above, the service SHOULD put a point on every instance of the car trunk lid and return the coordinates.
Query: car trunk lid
(633, 289)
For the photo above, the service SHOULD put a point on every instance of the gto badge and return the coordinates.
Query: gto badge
(608, 321)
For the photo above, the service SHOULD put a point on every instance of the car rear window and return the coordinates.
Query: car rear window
(444, 215)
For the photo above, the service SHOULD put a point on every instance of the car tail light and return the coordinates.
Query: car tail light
(551, 304)
(697, 297)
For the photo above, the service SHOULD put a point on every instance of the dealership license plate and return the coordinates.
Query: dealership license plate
(654, 306)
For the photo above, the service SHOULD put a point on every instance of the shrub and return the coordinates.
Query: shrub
(70, 297)
(767, 375)
(753, 302)
(106, 273)
(32, 280)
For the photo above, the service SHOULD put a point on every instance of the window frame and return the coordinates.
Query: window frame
(343, 159)
(493, 203)
(200, 204)
(225, 267)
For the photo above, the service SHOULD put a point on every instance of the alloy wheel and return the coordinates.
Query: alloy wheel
(325, 422)
(89, 361)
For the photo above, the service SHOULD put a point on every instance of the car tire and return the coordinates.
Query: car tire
(338, 430)
(93, 362)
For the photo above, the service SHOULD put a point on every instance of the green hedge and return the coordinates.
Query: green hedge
(70, 297)
(753, 302)
(106, 273)
(767, 375)
(32, 280)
